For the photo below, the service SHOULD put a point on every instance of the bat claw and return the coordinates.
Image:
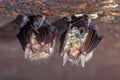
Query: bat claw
(65, 58)
(83, 60)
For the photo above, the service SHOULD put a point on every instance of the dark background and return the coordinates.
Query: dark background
(105, 64)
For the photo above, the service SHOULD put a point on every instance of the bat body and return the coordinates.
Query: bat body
(37, 37)
(79, 40)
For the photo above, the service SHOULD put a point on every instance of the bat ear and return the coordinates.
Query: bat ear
(67, 19)
(25, 19)
(87, 18)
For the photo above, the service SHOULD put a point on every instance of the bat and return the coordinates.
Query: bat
(79, 40)
(37, 37)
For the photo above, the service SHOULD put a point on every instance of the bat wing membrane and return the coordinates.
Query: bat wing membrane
(92, 40)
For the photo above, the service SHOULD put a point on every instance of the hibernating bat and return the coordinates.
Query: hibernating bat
(79, 40)
(37, 37)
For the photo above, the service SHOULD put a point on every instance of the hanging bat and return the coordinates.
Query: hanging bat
(79, 40)
(37, 37)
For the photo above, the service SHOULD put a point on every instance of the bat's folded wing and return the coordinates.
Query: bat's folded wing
(92, 40)
(24, 35)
